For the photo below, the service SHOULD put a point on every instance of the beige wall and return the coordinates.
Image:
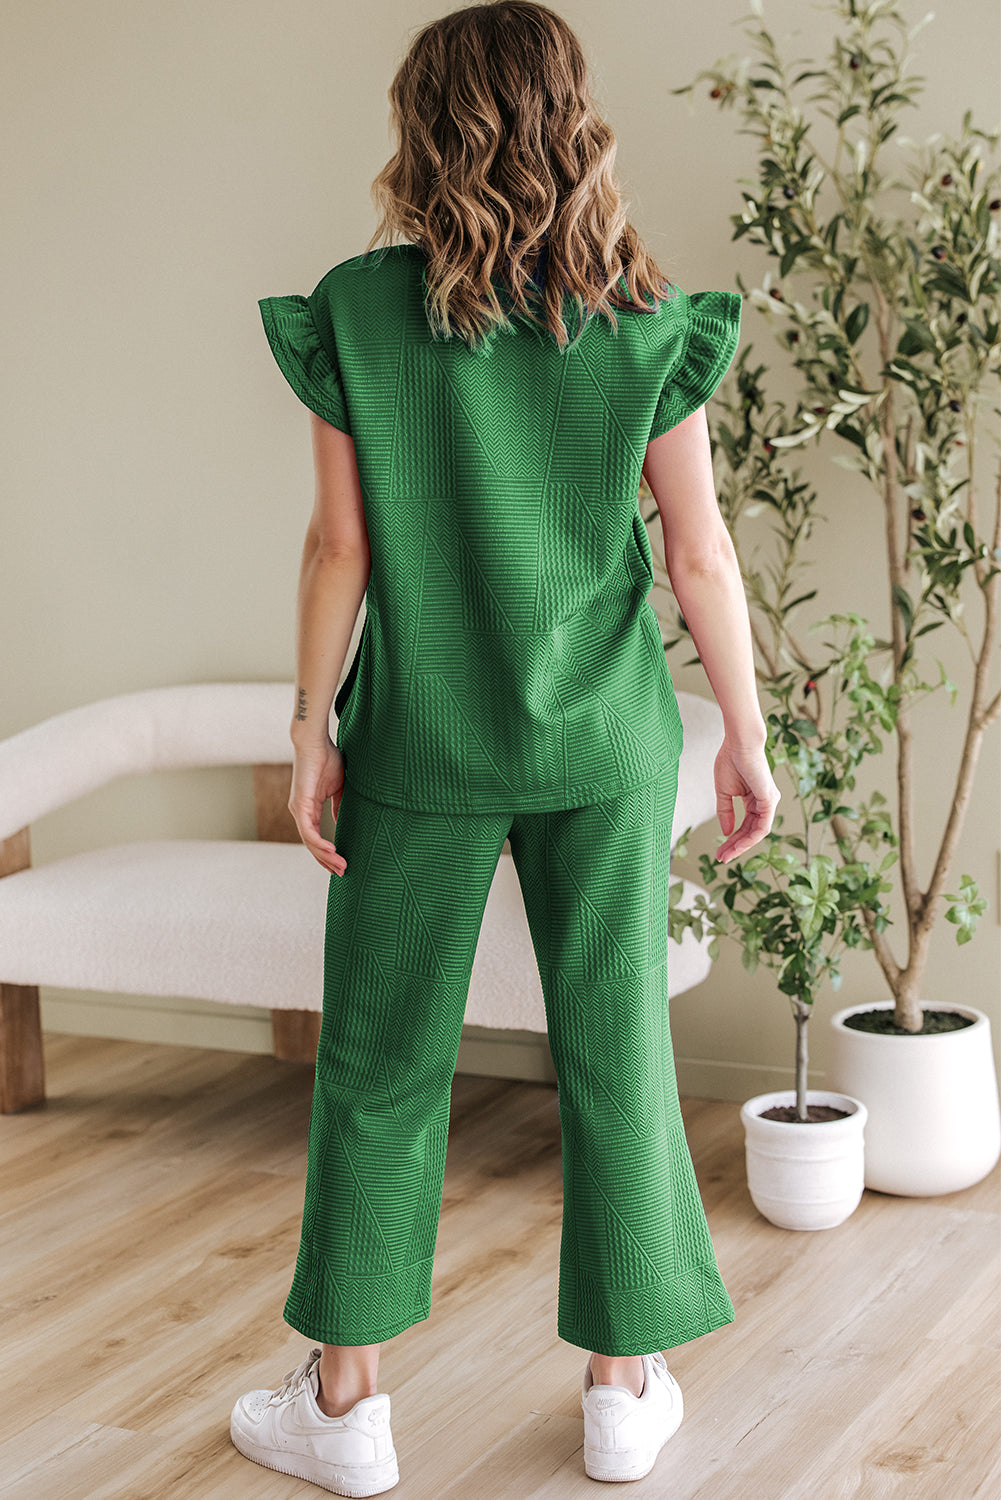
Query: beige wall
(171, 165)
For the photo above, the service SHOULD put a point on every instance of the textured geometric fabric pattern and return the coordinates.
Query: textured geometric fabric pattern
(509, 659)
(637, 1270)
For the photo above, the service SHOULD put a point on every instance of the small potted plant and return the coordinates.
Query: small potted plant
(794, 908)
(804, 1147)
(890, 318)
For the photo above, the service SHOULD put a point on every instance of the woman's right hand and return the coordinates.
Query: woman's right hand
(317, 773)
(743, 771)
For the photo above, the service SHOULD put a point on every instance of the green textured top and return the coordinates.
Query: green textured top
(509, 657)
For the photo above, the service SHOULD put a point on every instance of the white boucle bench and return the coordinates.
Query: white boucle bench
(238, 921)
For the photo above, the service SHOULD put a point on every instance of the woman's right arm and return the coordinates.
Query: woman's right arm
(705, 578)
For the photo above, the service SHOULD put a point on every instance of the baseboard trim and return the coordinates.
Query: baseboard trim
(492, 1053)
(157, 1018)
(715, 1078)
(483, 1050)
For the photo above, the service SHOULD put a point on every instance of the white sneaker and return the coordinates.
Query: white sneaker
(624, 1433)
(286, 1430)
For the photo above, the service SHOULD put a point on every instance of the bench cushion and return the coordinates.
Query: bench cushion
(240, 922)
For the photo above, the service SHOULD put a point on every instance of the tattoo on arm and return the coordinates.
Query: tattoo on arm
(300, 712)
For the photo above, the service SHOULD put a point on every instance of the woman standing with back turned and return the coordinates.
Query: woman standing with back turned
(481, 421)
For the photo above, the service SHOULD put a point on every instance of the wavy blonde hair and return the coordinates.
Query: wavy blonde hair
(502, 152)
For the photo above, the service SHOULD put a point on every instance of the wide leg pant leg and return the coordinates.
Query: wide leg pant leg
(638, 1272)
(401, 934)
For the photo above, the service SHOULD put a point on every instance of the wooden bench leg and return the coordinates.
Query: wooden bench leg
(295, 1034)
(22, 1063)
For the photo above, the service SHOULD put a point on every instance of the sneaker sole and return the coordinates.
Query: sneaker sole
(340, 1479)
(634, 1463)
(636, 1468)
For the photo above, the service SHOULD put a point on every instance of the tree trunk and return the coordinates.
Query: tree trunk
(802, 1017)
(907, 1004)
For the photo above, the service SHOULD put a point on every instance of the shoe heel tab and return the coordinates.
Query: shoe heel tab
(373, 1411)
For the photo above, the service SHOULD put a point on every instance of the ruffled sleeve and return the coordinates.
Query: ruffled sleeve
(710, 341)
(308, 363)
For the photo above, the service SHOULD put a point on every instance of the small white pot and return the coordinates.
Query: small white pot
(934, 1117)
(805, 1176)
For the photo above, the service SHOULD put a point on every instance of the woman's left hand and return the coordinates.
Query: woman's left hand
(317, 773)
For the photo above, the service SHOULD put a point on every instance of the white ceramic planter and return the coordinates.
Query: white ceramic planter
(934, 1117)
(804, 1176)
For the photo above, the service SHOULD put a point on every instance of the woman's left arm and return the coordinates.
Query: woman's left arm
(336, 562)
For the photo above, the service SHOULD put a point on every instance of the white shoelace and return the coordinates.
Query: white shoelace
(296, 1378)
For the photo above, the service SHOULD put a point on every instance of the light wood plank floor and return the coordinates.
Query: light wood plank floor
(149, 1219)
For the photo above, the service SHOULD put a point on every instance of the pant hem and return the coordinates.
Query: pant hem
(322, 1333)
(583, 1340)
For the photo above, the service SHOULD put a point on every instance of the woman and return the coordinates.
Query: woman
(477, 473)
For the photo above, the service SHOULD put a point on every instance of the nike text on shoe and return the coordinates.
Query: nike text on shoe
(286, 1430)
(624, 1433)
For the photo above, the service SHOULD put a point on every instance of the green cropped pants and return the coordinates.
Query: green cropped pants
(637, 1270)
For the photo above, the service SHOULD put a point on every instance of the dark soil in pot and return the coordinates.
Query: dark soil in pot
(882, 1022)
(816, 1114)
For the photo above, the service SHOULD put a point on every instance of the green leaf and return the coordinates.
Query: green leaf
(791, 439)
(905, 605)
(917, 337)
(950, 281)
(792, 254)
(856, 321)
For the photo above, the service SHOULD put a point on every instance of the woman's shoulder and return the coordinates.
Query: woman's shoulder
(371, 261)
(354, 281)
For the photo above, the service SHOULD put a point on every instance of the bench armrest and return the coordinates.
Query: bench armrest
(193, 724)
